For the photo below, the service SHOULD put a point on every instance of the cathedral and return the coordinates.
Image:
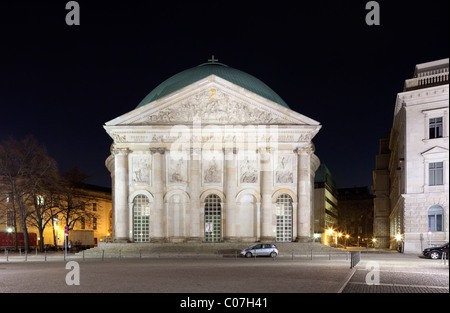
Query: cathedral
(212, 154)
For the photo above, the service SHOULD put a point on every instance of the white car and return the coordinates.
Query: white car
(261, 249)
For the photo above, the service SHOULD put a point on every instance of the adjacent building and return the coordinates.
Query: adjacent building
(93, 214)
(325, 205)
(356, 215)
(411, 179)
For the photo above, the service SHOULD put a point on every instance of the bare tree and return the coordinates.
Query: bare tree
(75, 203)
(45, 206)
(24, 167)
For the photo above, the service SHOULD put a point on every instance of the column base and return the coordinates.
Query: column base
(194, 240)
(303, 239)
(122, 240)
(267, 239)
(157, 240)
(231, 239)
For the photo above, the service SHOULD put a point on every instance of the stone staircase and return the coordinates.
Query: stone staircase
(201, 249)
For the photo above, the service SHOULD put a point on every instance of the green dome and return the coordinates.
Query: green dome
(197, 73)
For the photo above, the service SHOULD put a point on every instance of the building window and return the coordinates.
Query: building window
(435, 129)
(435, 218)
(94, 223)
(94, 207)
(436, 173)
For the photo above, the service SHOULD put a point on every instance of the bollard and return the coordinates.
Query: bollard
(7, 258)
(292, 252)
(36, 250)
(26, 255)
(103, 255)
(20, 251)
(120, 254)
(83, 256)
(311, 254)
(140, 254)
(45, 255)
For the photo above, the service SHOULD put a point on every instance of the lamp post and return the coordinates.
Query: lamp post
(398, 237)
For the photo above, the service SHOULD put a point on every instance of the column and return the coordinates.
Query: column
(304, 209)
(194, 193)
(230, 185)
(157, 218)
(121, 212)
(266, 189)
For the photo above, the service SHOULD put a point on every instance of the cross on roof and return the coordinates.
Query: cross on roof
(212, 60)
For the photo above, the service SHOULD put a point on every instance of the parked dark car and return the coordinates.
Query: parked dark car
(261, 249)
(436, 252)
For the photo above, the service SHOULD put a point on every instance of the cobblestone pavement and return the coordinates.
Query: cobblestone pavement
(398, 273)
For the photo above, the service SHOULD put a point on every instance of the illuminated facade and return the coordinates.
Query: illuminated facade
(411, 182)
(211, 155)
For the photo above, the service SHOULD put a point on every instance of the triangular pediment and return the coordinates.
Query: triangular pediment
(212, 100)
(434, 151)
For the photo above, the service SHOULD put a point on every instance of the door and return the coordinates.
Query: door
(213, 219)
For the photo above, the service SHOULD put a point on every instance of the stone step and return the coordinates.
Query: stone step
(287, 248)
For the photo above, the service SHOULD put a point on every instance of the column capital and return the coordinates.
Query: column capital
(160, 150)
(265, 150)
(120, 151)
(309, 149)
(230, 150)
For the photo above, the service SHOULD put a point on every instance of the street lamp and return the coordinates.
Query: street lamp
(330, 232)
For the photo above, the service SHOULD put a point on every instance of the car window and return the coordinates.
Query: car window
(257, 247)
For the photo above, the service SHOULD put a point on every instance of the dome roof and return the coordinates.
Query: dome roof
(190, 76)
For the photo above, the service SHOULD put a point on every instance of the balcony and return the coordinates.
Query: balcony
(426, 81)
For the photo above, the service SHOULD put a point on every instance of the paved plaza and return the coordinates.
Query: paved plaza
(376, 272)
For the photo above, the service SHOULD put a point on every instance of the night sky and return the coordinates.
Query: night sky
(61, 83)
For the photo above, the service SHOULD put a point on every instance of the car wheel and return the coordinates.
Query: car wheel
(273, 254)
(248, 255)
(434, 255)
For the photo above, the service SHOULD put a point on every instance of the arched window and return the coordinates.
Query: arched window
(141, 219)
(435, 218)
(213, 219)
(284, 218)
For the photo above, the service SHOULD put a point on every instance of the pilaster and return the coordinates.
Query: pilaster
(266, 175)
(304, 209)
(157, 220)
(121, 212)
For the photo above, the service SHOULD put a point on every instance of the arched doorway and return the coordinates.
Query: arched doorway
(284, 218)
(213, 219)
(141, 219)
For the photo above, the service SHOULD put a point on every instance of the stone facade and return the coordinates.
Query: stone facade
(212, 161)
(418, 168)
